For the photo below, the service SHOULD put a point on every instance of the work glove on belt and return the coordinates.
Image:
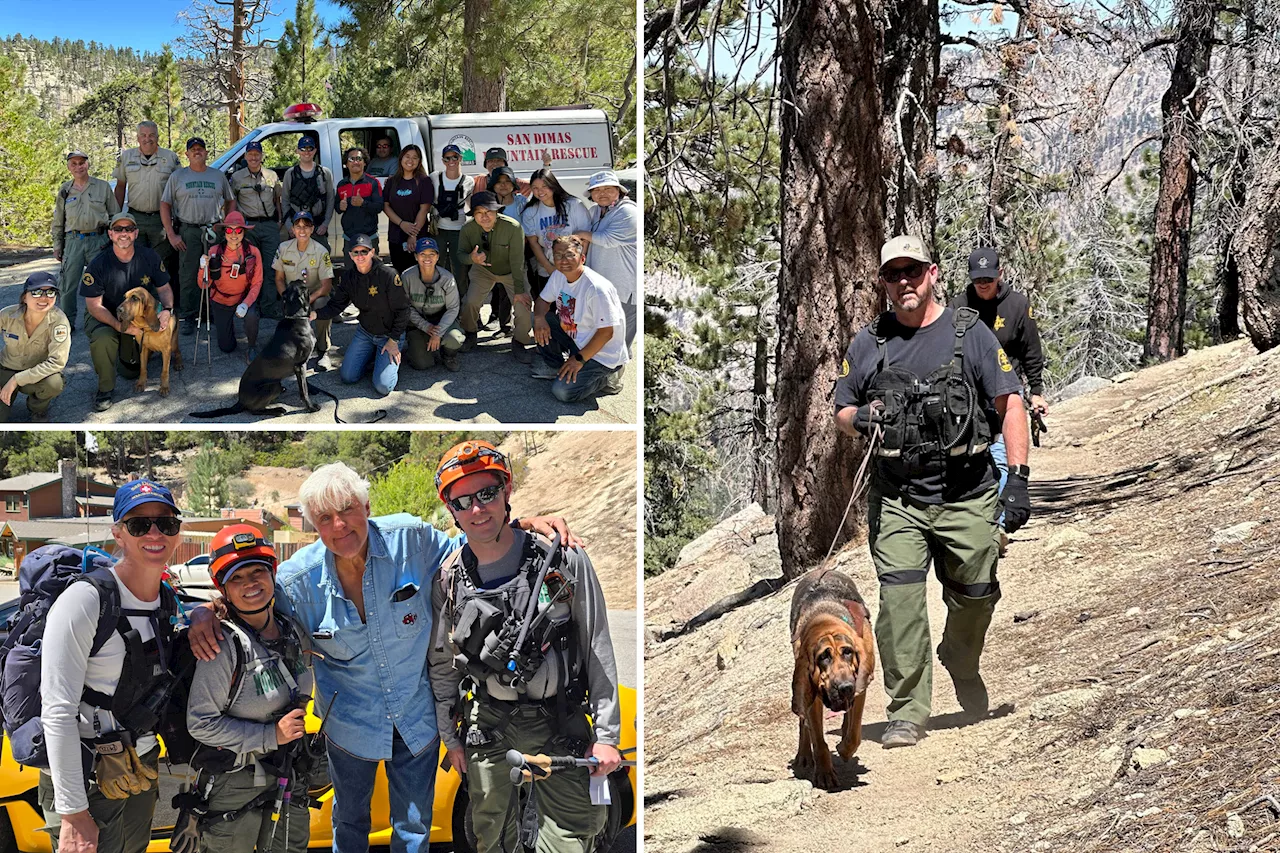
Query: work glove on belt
(118, 770)
(185, 837)
(1017, 505)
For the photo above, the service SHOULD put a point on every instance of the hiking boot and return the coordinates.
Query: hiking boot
(543, 370)
(470, 343)
(521, 353)
(102, 401)
(450, 359)
(971, 693)
(901, 733)
(40, 417)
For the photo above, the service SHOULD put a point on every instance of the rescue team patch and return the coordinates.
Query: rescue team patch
(60, 333)
(86, 279)
(1004, 361)
(844, 368)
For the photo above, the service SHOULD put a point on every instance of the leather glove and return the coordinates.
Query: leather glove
(868, 415)
(119, 771)
(1017, 506)
(242, 309)
(186, 833)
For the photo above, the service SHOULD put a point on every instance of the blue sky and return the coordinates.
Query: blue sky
(124, 24)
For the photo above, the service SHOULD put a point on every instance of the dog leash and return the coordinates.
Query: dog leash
(861, 480)
(314, 389)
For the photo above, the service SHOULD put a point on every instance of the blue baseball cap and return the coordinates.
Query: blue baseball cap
(451, 149)
(255, 145)
(304, 214)
(307, 142)
(194, 141)
(138, 492)
(42, 280)
(423, 244)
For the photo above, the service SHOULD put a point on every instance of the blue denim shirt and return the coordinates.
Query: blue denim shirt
(384, 658)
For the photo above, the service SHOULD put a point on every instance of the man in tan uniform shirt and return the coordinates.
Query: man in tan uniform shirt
(81, 212)
(257, 192)
(144, 171)
(32, 364)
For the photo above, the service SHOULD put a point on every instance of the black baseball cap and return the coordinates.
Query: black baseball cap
(485, 199)
(984, 263)
(496, 154)
(40, 281)
(362, 240)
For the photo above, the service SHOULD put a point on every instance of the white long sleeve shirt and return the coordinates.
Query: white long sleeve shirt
(66, 669)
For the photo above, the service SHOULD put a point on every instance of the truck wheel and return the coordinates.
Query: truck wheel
(464, 831)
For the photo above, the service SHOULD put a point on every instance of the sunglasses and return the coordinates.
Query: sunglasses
(452, 159)
(912, 271)
(168, 525)
(484, 497)
(355, 159)
(360, 253)
(124, 230)
(44, 293)
(235, 230)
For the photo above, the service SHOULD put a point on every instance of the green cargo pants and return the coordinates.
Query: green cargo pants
(106, 347)
(40, 395)
(421, 358)
(265, 237)
(124, 826)
(960, 540)
(567, 821)
(252, 830)
(77, 251)
(189, 271)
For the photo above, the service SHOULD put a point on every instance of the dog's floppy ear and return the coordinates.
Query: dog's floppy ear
(801, 684)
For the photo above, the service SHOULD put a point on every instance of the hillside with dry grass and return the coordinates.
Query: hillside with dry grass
(1132, 663)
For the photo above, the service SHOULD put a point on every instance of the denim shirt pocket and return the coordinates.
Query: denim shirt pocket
(409, 614)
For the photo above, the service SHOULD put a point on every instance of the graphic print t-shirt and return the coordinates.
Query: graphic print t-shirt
(546, 224)
(588, 304)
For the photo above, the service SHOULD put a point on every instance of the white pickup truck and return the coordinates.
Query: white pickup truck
(579, 143)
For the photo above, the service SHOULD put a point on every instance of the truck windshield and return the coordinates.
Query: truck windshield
(233, 152)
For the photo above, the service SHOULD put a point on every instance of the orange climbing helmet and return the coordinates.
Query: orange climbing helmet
(470, 457)
(235, 546)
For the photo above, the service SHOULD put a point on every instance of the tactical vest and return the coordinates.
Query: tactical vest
(305, 192)
(487, 622)
(449, 202)
(925, 421)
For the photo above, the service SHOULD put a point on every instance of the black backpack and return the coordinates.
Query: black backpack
(142, 702)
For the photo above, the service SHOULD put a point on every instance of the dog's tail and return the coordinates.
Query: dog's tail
(225, 410)
(382, 413)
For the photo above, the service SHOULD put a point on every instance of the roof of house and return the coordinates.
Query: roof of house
(27, 482)
(95, 500)
(59, 529)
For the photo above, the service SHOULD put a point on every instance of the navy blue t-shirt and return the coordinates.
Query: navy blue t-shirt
(923, 351)
(107, 277)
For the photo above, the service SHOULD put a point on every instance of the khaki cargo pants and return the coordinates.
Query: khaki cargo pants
(959, 538)
(40, 394)
(567, 821)
(124, 826)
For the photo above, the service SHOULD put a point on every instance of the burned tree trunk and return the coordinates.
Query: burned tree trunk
(1256, 248)
(909, 82)
(1183, 103)
(833, 203)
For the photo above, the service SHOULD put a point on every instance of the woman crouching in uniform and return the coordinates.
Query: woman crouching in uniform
(247, 710)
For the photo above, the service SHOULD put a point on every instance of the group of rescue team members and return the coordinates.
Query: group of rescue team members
(457, 243)
(937, 391)
(402, 633)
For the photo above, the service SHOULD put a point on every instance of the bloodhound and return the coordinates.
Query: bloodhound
(835, 659)
(138, 311)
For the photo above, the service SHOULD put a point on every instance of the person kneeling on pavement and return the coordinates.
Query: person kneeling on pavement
(110, 276)
(232, 273)
(491, 252)
(580, 329)
(247, 710)
(919, 381)
(37, 344)
(567, 671)
(378, 291)
(99, 793)
(433, 312)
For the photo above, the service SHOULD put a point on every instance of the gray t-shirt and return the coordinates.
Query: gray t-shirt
(198, 198)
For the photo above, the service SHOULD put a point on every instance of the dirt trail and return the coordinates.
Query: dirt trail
(1134, 701)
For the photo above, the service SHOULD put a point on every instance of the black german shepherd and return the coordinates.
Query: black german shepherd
(284, 355)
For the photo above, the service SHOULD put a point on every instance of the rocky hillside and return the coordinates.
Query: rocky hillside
(1132, 663)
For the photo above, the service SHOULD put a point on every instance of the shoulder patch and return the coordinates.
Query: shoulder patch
(844, 368)
(398, 282)
(86, 279)
(61, 333)
(1004, 361)
(327, 260)
(1029, 313)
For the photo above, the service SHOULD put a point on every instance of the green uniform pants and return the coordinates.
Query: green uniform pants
(39, 394)
(189, 271)
(151, 234)
(124, 826)
(448, 241)
(482, 281)
(77, 251)
(265, 236)
(567, 821)
(252, 830)
(421, 358)
(107, 347)
(960, 540)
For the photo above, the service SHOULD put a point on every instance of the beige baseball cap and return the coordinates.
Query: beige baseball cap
(907, 246)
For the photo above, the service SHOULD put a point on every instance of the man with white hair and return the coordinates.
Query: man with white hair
(364, 593)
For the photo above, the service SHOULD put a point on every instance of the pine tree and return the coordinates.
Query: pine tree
(164, 105)
(30, 167)
(301, 69)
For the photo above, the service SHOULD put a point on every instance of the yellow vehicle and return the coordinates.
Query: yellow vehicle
(21, 819)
